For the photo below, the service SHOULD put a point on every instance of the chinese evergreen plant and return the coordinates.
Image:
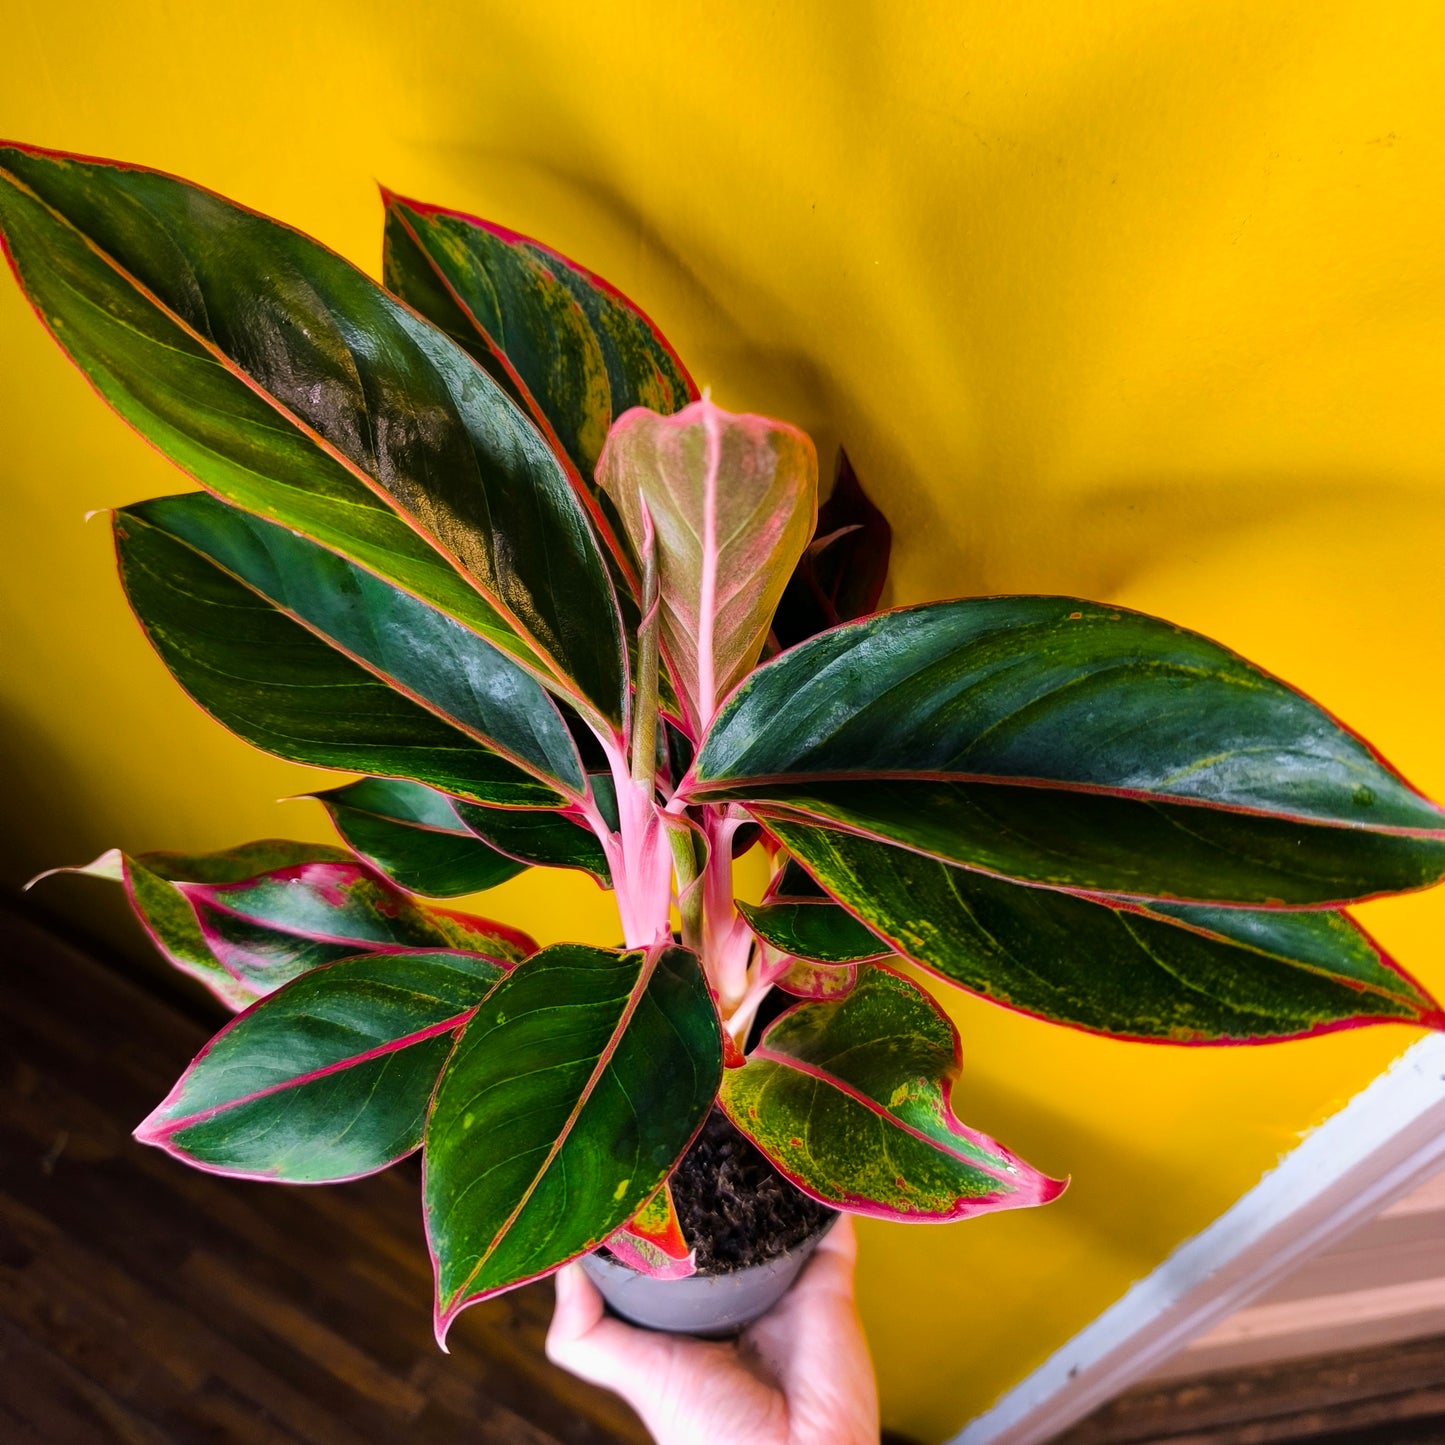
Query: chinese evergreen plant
(473, 536)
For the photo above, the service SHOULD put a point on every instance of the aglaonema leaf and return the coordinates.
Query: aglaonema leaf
(733, 500)
(1076, 746)
(572, 349)
(1171, 973)
(150, 882)
(813, 929)
(414, 835)
(328, 1078)
(287, 382)
(442, 847)
(278, 685)
(850, 1100)
(570, 1096)
(276, 925)
(652, 1241)
(421, 653)
(539, 838)
(841, 574)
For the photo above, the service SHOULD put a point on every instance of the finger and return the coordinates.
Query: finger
(578, 1308)
(597, 1347)
(841, 1239)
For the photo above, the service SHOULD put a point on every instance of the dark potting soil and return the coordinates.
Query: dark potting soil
(735, 1208)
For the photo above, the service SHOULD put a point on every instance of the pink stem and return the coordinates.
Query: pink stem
(638, 855)
(727, 940)
(707, 582)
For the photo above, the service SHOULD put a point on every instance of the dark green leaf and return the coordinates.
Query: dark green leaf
(850, 1100)
(283, 688)
(287, 382)
(1073, 745)
(813, 929)
(568, 1100)
(330, 1077)
(545, 839)
(569, 346)
(413, 835)
(1173, 973)
(423, 653)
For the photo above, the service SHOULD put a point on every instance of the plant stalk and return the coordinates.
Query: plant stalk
(644, 694)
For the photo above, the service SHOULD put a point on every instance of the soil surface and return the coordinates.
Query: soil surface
(735, 1208)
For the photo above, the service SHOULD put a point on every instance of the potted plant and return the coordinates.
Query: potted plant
(474, 537)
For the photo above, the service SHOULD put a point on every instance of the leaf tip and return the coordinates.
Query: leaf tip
(442, 1322)
(151, 1130)
(110, 865)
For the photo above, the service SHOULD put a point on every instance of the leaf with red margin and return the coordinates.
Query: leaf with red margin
(414, 835)
(1064, 743)
(813, 929)
(288, 598)
(277, 925)
(652, 1242)
(1167, 973)
(732, 500)
(568, 1100)
(542, 838)
(290, 384)
(850, 1101)
(150, 878)
(842, 573)
(330, 1077)
(570, 347)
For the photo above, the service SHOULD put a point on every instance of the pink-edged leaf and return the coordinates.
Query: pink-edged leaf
(328, 1078)
(1170, 973)
(280, 924)
(816, 929)
(291, 385)
(569, 347)
(569, 1099)
(733, 500)
(1072, 745)
(850, 1100)
(150, 881)
(841, 575)
(652, 1242)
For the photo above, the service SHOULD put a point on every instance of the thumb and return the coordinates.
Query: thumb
(582, 1338)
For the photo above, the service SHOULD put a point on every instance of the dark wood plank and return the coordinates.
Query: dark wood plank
(147, 1303)
(1395, 1393)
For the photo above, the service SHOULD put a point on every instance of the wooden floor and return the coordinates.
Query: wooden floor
(144, 1302)
(1390, 1395)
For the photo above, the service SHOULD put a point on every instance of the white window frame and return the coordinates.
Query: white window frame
(1388, 1139)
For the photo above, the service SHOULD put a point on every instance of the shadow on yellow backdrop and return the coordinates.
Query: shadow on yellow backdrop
(1139, 302)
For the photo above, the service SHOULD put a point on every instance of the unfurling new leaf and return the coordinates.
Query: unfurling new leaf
(733, 500)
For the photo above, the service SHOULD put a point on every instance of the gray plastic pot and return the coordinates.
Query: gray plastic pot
(712, 1306)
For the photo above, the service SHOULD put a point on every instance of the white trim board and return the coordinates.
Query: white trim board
(1387, 1139)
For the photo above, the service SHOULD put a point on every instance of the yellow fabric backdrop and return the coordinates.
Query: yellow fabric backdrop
(1140, 301)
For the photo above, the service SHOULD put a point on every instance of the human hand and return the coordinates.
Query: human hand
(799, 1376)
